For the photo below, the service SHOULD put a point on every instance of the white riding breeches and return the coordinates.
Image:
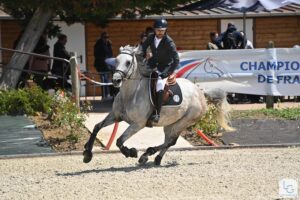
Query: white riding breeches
(160, 85)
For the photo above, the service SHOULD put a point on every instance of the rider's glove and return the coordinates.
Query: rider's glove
(164, 75)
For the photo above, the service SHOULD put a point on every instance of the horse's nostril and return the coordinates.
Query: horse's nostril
(117, 81)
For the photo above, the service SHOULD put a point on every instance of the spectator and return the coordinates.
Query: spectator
(143, 37)
(232, 39)
(61, 68)
(212, 45)
(149, 30)
(40, 64)
(104, 60)
(249, 44)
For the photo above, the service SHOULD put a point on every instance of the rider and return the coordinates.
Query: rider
(164, 58)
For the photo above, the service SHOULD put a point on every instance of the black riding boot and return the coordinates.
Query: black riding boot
(159, 97)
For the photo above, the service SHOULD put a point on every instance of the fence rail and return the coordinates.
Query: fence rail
(73, 64)
(34, 54)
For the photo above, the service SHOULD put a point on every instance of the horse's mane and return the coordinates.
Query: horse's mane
(137, 51)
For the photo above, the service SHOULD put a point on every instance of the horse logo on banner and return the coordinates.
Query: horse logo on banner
(201, 68)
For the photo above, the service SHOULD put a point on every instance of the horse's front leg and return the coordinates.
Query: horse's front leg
(130, 131)
(109, 119)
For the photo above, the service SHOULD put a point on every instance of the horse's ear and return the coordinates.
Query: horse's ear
(121, 48)
(138, 49)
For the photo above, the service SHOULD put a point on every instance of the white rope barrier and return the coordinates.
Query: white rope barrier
(91, 80)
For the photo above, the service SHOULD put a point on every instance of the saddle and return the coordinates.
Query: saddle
(172, 92)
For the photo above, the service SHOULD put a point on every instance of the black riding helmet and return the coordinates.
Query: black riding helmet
(160, 23)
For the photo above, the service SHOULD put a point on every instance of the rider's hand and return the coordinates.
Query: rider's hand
(148, 55)
(164, 75)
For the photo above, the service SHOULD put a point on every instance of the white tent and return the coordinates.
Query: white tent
(243, 6)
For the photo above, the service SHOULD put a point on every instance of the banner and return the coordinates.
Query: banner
(273, 71)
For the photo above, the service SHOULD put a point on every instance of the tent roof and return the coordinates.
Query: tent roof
(4, 15)
(219, 12)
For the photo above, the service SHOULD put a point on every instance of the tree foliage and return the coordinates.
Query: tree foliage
(36, 14)
(96, 11)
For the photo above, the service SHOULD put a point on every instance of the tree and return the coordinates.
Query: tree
(36, 14)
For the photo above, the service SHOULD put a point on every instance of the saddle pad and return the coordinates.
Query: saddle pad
(176, 98)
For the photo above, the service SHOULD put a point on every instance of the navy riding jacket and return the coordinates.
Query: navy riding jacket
(165, 57)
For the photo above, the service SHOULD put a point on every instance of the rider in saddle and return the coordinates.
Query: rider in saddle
(164, 59)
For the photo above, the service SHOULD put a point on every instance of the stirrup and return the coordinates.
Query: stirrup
(155, 118)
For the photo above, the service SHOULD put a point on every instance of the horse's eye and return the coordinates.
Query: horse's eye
(127, 63)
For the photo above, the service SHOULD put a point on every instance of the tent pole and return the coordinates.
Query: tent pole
(244, 22)
(244, 26)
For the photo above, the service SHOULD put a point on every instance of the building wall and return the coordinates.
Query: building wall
(10, 30)
(187, 34)
(283, 31)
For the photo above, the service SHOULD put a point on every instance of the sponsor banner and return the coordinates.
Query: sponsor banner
(252, 71)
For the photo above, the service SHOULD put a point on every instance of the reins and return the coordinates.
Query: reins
(125, 74)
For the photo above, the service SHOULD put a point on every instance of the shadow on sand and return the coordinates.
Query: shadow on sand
(148, 165)
(103, 106)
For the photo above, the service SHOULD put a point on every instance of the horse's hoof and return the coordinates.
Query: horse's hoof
(157, 160)
(87, 156)
(125, 151)
(133, 153)
(143, 159)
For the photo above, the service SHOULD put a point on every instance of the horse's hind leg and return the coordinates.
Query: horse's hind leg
(130, 131)
(109, 119)
(170, 140)
(172, 132)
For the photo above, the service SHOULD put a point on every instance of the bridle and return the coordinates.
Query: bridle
(123, 74)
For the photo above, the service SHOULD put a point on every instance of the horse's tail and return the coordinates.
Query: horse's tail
(218, 98)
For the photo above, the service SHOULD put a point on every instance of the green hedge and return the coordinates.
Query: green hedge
(61, 110)
(24, 101)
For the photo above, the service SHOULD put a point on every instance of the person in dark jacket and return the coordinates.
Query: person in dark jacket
(61, 68)
(164, 59)
(40, 64)
(232, 39)
(104, 60)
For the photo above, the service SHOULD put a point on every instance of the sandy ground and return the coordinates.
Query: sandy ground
(198, 174)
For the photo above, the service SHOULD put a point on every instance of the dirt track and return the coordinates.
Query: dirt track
(201, 174)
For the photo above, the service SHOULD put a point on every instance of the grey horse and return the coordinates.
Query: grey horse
(133, 105)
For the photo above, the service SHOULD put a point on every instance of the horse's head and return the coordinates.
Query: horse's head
(125, 65)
